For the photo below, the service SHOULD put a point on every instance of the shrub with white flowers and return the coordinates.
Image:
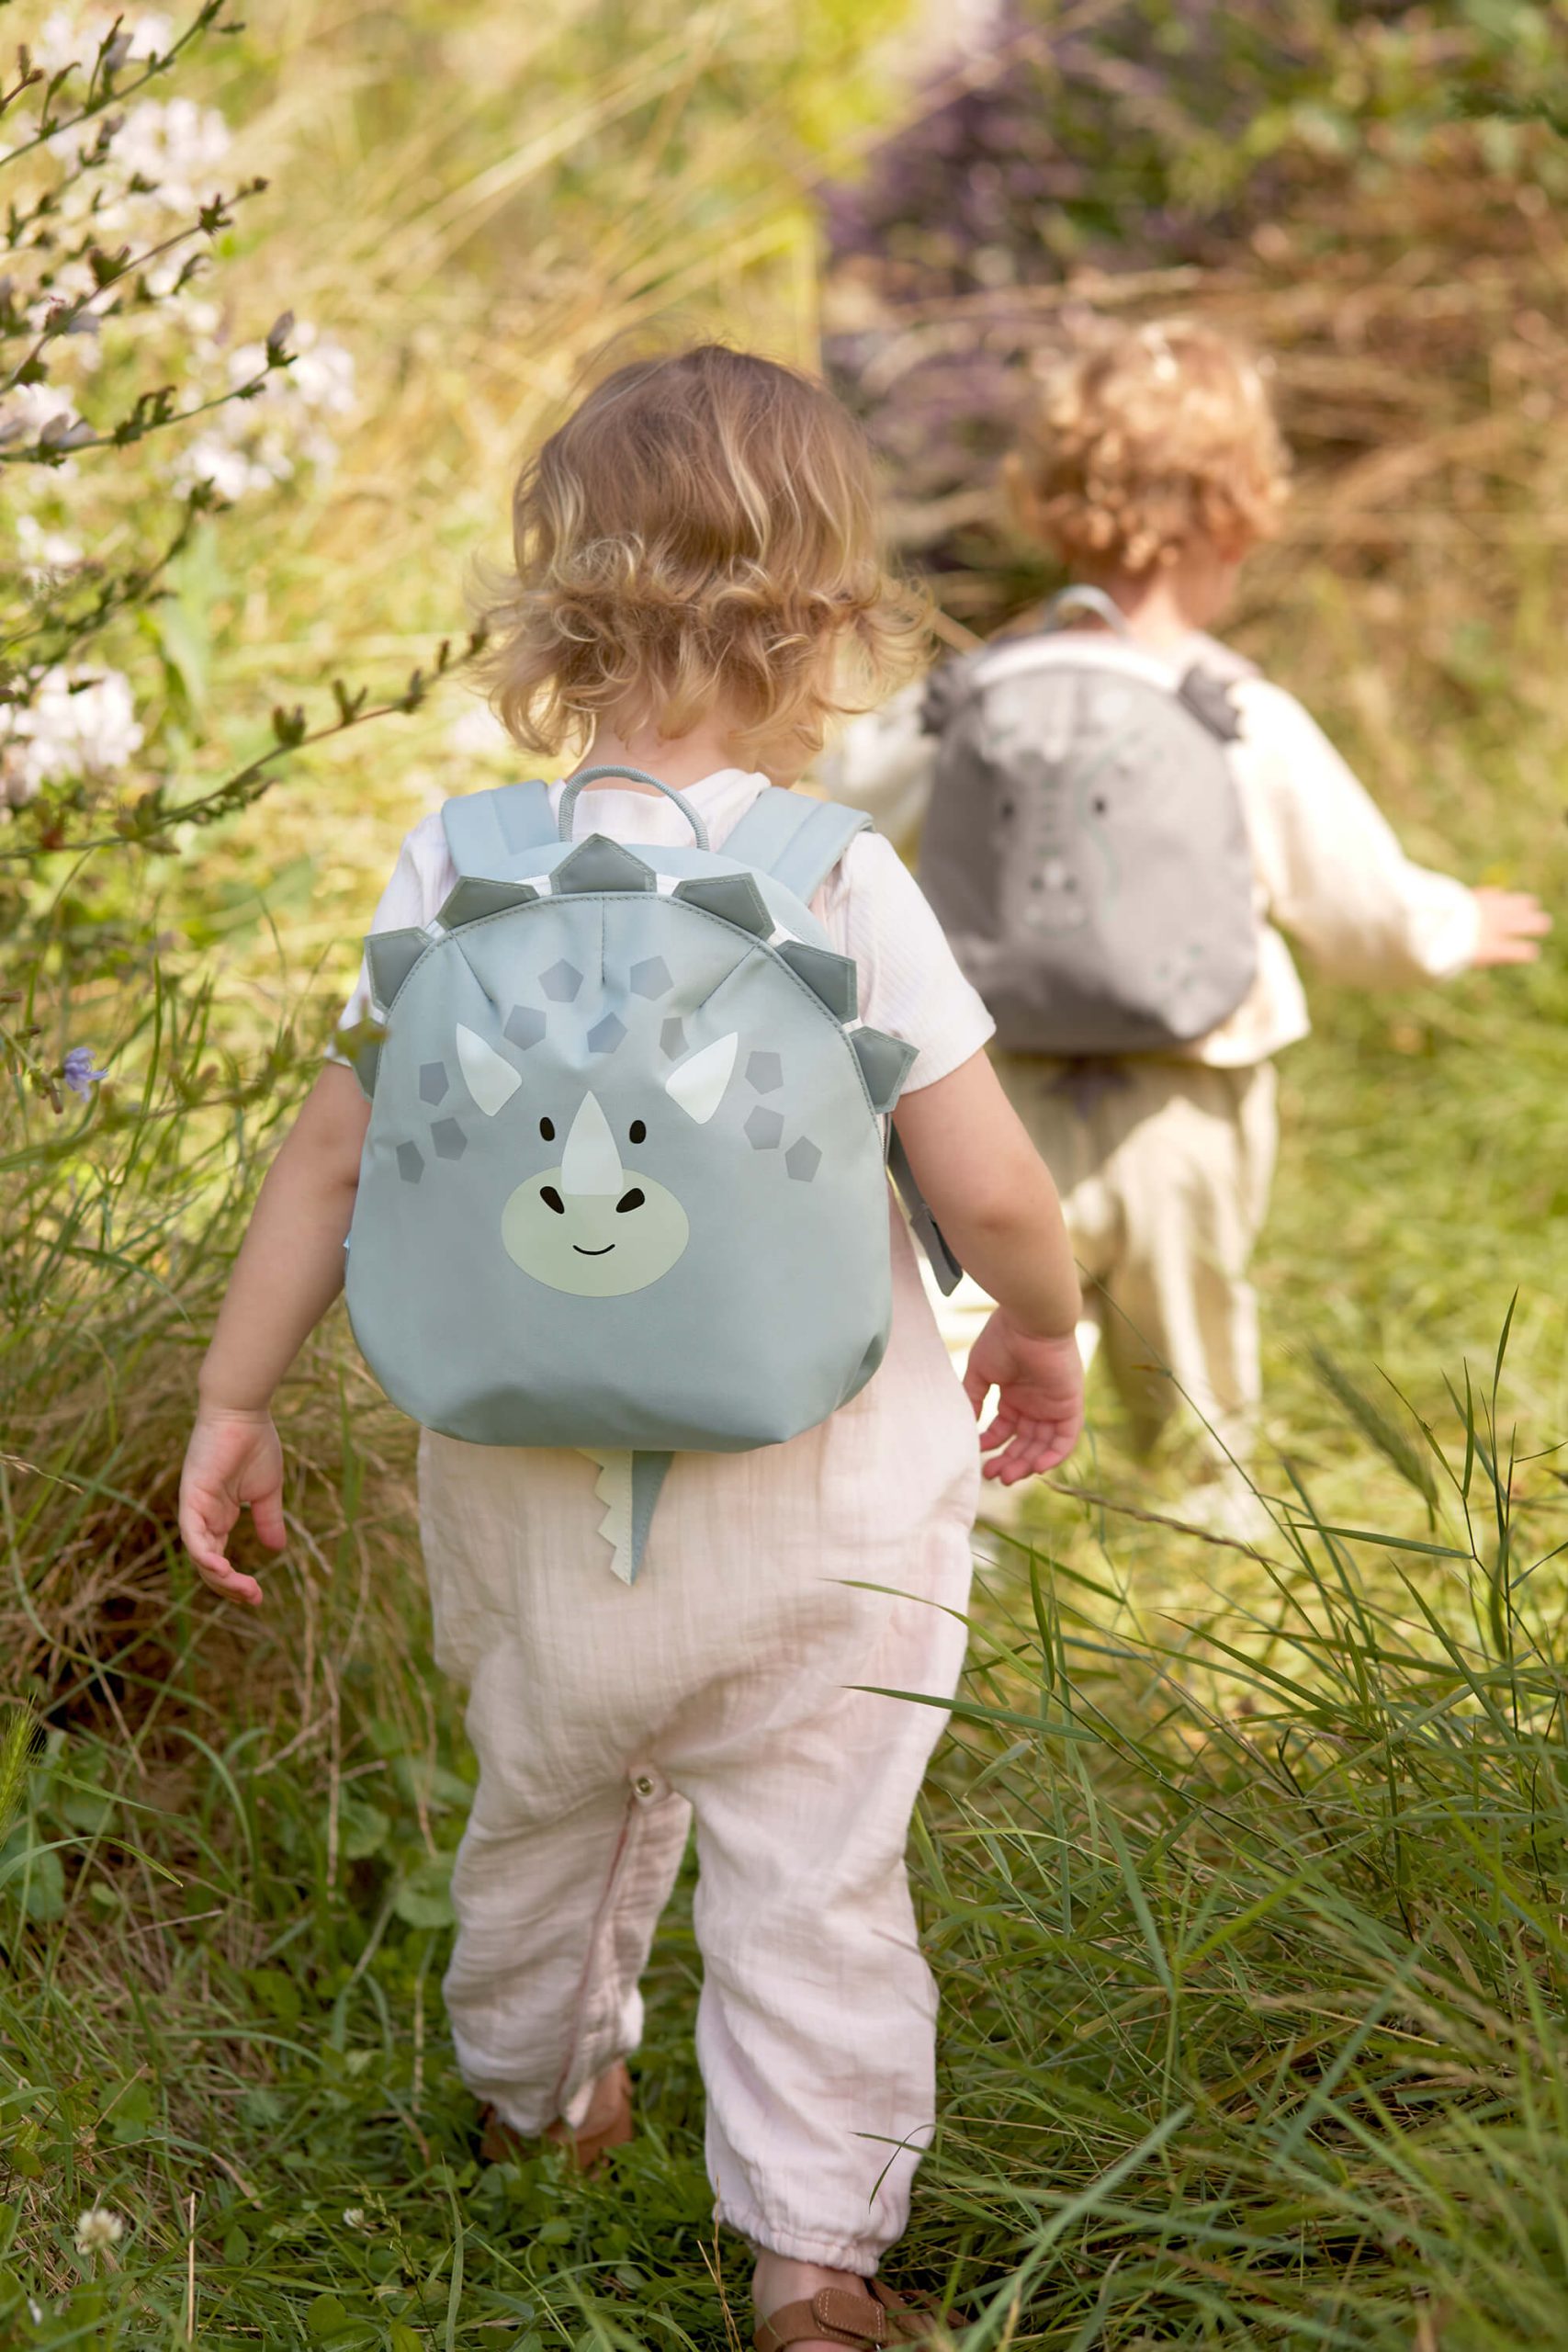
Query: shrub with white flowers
(130, 417)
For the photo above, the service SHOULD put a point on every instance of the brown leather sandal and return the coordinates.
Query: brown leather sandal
(838, 2315)
(501, 2144)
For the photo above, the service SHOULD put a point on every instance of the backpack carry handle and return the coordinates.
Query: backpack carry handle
(637, 775)
(1089, 600)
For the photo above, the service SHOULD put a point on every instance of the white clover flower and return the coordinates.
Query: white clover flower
(75, 725)
(354, 2216)
(98, 2231)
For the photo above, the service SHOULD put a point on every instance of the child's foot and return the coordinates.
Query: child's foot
(606, 2124)
(779, 2286)
(794, 2298)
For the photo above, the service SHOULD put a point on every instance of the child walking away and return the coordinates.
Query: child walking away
(695, 1479)
(1120, 817)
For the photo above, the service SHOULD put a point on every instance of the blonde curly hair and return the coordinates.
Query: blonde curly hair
(1146, 441)
(702, 527)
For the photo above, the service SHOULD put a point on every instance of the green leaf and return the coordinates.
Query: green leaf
(183, 643)
(362, 1829)
(276, 1992)
(85, 1809)
(430, 1784)
(424, 1898)
(39, 1875)
(130, 2115)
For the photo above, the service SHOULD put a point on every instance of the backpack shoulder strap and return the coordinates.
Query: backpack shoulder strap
(796, 839)
(497, 836)
(927, 1233)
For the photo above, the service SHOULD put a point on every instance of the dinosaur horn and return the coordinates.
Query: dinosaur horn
(590, 1163)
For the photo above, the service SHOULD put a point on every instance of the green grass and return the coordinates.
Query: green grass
(1248, 1927)
(1241, 1873)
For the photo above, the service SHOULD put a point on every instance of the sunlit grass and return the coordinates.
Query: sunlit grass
(1241, 1872)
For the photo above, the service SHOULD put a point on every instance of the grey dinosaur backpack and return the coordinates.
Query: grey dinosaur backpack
(1085, 848)
(623, 1184)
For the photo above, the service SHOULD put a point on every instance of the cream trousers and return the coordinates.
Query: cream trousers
(733, 1685)
(1164, 1175)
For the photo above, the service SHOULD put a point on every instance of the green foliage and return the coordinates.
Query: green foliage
(1245, 1920)
(1240, 1875)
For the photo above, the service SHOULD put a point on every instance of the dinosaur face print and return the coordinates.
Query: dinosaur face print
(594, 1226)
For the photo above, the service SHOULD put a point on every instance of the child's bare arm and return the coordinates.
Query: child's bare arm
(993, 1197)
(287, 1273)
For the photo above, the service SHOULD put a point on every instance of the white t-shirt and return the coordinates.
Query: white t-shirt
(871, 905)
(1326, 865)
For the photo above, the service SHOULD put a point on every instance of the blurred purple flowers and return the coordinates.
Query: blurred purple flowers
(78, 1072)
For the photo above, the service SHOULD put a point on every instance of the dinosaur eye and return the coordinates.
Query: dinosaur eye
(638, 1131)
(552, 1200)
(548, 1129)
(632, 1200)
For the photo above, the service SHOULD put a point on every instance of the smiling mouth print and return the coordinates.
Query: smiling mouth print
(634, 1199)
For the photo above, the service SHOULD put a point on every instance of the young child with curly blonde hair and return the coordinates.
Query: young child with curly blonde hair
(697, 590)
(1152, 465)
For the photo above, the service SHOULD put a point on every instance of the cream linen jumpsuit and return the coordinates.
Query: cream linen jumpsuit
(735, 1685)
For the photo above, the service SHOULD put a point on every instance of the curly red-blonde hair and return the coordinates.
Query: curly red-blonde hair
(1147, 441)
(702, 529)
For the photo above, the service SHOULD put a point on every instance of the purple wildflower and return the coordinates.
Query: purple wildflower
(77, 1070)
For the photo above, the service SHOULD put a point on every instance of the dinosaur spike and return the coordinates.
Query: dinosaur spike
(627, 1485)
(367, 1062)
(734, 896)
(885, 1062)
(392, 957)
(600, 864)
(474, 898)
(832, 978)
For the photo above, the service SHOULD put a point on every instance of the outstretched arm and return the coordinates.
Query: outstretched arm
(993, 1197)
(1338, 879)
(287, 1273)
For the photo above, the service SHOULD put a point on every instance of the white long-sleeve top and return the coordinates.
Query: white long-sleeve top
(1328, 868)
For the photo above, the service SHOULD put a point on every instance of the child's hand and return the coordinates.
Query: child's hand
(1040, 1403)
(1513, 924)
(234, 1459)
